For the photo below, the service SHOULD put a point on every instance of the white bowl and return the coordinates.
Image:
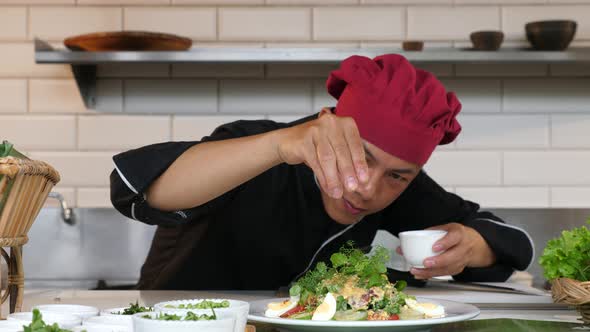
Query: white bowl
(83, 311)
(122, 321)
(11, 326)
(238, 308)
(101, 328)
(65, 321)
(113, 311)
(225, 322)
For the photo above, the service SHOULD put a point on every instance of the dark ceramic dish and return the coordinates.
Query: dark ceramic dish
(487, 40)
(551, 35)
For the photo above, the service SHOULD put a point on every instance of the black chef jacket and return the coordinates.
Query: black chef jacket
(265, 232)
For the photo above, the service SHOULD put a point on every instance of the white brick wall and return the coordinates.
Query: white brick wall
(526, 127)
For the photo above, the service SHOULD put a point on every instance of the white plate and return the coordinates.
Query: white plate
(65, 321)
(454, 312)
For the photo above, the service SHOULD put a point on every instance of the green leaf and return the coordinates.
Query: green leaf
(338, 259)
(568, 255)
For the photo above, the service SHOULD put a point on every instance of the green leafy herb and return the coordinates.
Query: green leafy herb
(38, 325)
(134, 309)
(205, 304)
(568, 255)
(349, 261)
(190, 316)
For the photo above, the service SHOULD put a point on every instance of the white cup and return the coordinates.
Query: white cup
(417, 245)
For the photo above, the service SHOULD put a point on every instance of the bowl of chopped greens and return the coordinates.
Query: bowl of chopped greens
(566, 264)
(202, 306)
(188, 321)
(131, 310)
(83, 311)
(65, 321)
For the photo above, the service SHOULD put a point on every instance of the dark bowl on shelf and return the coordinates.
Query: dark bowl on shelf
(553, 35)
(413, 45)
(487, 40)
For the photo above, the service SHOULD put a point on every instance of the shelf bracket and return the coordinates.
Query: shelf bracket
(85, 75)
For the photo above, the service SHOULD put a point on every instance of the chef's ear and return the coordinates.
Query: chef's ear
(326, 110)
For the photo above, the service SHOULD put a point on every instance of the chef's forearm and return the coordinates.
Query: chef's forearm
(210, 169)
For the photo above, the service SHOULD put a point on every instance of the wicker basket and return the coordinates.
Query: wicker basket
(573, 292)
(24, 185)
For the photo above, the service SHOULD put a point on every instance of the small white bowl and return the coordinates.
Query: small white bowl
(122, 321)
(225, 322)
(238, 308)
(65, 321)
(11, 326)
(83, 311)
(113, 311)
(101, 328)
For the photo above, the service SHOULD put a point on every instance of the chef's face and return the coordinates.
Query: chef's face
(389, 176)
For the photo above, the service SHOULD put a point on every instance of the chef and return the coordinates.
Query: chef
(257, 203)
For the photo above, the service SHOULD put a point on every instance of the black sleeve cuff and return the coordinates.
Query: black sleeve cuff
(512, 246)
(495, 273)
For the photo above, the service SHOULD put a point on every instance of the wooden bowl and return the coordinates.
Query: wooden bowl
(413, 45)
(128, 41)
(487, 40)
(551, 35)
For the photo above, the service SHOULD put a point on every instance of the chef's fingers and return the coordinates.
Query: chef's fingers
(457, 255)
(343, 159)
(399, 251)
(455, 234)
(437, 272)
(355, 144)
(327, 160)
(311, 159)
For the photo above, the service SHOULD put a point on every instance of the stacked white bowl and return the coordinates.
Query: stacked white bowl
(10, 326)
(83, 311)
(239, 309)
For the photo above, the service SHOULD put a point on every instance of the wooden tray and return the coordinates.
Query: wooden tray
(128, 41)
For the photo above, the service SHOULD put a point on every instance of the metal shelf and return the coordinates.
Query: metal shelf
(84, 63)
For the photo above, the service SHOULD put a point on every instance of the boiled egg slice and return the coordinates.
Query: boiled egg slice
(326, 310)
(276, 309)
(429, 310)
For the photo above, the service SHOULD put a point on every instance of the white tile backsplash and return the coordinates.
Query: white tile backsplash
(358, 23)
(476, 95)
(453, 168)
(570, 197)
(265, 24)
(547, 95)
(194, 128)
(570, 131)
(13, 94)
(265, 96)
(525, 140)
(506, 197)
(39, 132)
(455, 23)
(547, 168)
(503, 131)
(121, 132)
(170, 96)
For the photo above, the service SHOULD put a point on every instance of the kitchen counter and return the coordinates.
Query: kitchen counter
(491, 304)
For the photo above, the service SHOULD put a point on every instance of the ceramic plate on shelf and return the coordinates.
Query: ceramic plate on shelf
(455, 312)
(128, 41)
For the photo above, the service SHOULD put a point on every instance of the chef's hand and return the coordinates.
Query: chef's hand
(332, 147)
(464, 247)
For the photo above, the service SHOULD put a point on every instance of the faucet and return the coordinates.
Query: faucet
(66, 213)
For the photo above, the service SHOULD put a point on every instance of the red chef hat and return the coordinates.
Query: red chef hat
(403, 110)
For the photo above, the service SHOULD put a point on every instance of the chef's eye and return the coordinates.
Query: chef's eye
(396, 176)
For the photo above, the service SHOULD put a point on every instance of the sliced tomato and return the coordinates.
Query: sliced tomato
(296, 309)
(393, 317)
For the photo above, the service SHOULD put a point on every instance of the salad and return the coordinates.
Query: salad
(355, 287)
(190, 316)
(205, 304)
